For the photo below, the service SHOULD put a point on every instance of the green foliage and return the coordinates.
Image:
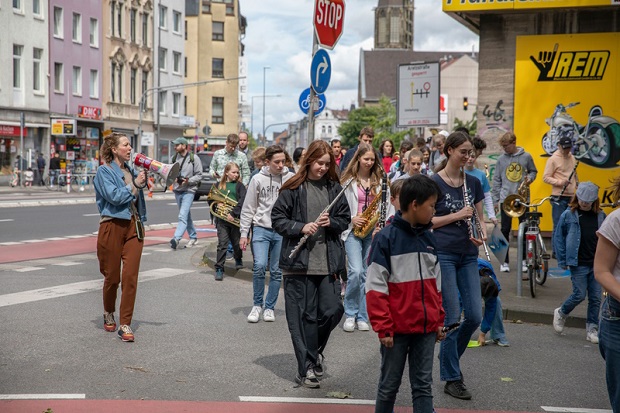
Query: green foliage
(471, 125)
(381, 117)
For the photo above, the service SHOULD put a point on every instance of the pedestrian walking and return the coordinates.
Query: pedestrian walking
(54, 171)
(230, 153)
(41, 168)
(574, 241)
(120, 199)
(311, 274)
(184, 188)
(367, 134)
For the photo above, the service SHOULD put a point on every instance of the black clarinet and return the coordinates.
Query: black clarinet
(556, 199)
(383, 210)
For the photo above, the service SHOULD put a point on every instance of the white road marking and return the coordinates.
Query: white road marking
(573, 410)
(54, 239)
(41, 396)
(90, 215)
(146, 253)
(6, 220)
(28, 269)
(199, 208)
(80, 287)
(32, 241)
(260, 399)
(78, 236)
(68, 263)
(171, 203)
(10, 243)
(163, 250)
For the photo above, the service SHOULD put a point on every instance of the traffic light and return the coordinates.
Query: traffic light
(205, 146)
(465, 104)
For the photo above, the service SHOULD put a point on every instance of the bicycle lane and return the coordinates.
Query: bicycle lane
(74, 246)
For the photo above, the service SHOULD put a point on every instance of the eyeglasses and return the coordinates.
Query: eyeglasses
(469, 154)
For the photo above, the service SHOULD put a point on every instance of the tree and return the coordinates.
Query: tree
(471, 125)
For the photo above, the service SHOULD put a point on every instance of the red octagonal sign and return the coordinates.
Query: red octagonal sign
(328, 21)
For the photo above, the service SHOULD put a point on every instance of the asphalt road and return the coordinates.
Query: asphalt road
(193, 342)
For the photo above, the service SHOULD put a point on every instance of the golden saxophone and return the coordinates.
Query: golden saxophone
(475, 218)
(372, 214)
(222, 205)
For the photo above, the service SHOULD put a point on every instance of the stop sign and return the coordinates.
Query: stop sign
(328, 21)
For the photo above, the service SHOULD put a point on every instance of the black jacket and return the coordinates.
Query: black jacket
(240, 195)
(288, 217)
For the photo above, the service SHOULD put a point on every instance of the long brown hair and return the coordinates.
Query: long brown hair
(574, 205)
(109, 142)
(316, 150)
(227, 168)
(376, 172)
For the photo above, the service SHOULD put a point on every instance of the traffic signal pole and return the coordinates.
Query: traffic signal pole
(313, 97)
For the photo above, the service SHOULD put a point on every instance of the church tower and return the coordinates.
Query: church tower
(394, 24)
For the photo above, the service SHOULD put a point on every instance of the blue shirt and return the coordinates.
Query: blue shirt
(482, 177)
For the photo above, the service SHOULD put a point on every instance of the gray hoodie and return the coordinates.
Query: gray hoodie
(510, 171)
(263, 191)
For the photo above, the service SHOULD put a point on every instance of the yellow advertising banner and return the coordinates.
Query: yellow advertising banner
(490, 5)
(566, 85)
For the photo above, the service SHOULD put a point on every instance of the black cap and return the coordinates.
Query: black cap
(565, 142)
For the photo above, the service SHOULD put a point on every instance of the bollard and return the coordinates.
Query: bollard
(520, 253)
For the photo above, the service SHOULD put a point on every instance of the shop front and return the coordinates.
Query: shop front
(32, 140)
(77, 141)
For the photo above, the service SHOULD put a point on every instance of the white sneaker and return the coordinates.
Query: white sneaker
(363, 326)
(254, 314)
(558, 320)
(349, 325)
(524, 266)
(504, 267)
(192, 242)
(268, 315)
(592, 336)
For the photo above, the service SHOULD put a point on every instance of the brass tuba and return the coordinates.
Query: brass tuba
(514, 204)
(372, 215)
(222, 205)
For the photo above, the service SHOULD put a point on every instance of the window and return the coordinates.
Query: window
(162, 102)
(132, 86)
(145, 79)
(17, 6)
(230, 7)
(59, 85)
(323, 129)
(218, 110)
(184, 104)
(37, 85)
(162, 58)
(76, 33)
(77, 80)
(17, 65)
(120, 83)
(176, 22)
(112, 16)
(176, 62)
(394, 29)
(217, 69)
(185, 29)
(176, 101)
(206, 6)
(94, 83)
(58, 32)
(94, 32)
(119, 20)
(218, 31)
(185, 66)
(116, 14)
(116, 87)
(36, 8)
(329, 129)
(163, 17)
(132, 24)
(145, 29)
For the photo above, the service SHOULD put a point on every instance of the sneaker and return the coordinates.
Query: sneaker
(254, 314)
(108, 322)
(504, 267)
(502, 342)
(174, 243)
(558, 320)
(349, 325)
(524, 266)
(268, 315)
(219, 274)
(238, 264)
(457, 389)
(592, 336)
(310, 381)
(229, 256)
(319, 368)
(192, 242)
(363, 326)
(125, 333)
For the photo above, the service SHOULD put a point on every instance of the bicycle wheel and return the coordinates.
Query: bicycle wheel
(532, 271)
(543, 262)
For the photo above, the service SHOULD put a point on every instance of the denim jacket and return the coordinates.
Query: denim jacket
(114, 195)
(567, 237)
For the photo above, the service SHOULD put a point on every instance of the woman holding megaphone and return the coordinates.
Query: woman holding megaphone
(120, 200)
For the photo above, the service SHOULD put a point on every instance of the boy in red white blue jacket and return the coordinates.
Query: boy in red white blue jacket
(403, 296)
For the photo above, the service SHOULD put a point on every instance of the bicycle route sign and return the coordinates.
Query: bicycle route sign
(304, 102)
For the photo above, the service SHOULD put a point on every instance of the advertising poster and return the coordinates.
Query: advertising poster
(566, 85)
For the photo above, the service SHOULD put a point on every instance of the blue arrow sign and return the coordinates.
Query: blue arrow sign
(304, 102)
(320, 71)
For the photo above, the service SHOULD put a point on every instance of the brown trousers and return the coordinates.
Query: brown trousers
(118, 243)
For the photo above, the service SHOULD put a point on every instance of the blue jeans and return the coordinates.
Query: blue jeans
(584, 282)
(459, 275)
(419, 348)
(497, 326)
(557, 207)
(266, 245)
(355, 294)
(609, 337)
(185, 201)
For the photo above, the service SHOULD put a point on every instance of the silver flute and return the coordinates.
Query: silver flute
(475, 218)
(303, 239)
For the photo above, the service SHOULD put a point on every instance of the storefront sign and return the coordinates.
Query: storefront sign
(89, 112)
(489, 5)
(6, 130)
(63, 127)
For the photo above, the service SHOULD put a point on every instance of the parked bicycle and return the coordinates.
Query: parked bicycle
(536, 255)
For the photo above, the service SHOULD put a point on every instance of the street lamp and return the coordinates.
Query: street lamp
(264, 71)
(252, 115)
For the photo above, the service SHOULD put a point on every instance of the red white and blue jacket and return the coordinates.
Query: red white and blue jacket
(403, 281)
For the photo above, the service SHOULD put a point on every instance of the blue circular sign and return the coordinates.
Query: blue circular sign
(304, 102)
(320, 71)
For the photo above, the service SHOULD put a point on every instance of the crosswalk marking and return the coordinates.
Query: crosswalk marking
(28, 269)
(54, 239)
(6, 220)
(68, 263)
(41, 396)
(573, 410)
(32, 241)
(304, 400)
(10, 243)
(80, 287)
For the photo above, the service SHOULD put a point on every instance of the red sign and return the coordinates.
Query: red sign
(89, 112)
(328, 21)
(6, 130)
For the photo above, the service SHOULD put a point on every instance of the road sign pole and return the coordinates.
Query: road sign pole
(312, 108)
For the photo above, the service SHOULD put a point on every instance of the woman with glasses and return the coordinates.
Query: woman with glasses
(457, 250)
(367, 172)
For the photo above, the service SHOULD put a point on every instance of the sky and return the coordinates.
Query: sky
(279, 35)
